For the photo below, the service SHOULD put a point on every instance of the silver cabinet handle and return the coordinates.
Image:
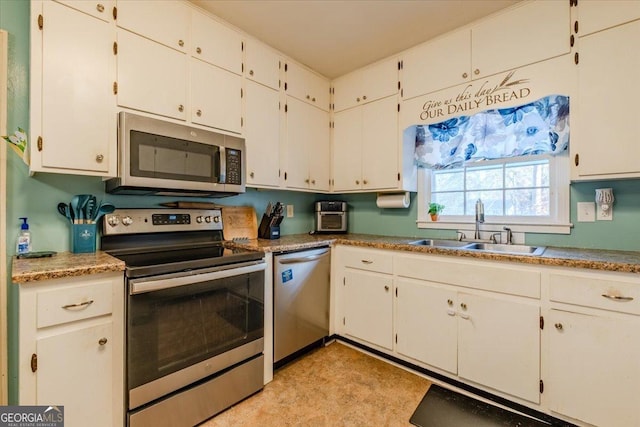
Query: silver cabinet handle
(181, 108)
(99, 158)
(100, 7)
(449, 302)
(78, 306)
(558, 326)
(463, 305)
(199, 113)
(366, 261)
(180, 43)
(251, 72)
(386, 288)
(618, 298)
(102, 341)
(364, 98)
(465, 75)
(251, 174)
(476, 71)
(198, 50)
(358, 99)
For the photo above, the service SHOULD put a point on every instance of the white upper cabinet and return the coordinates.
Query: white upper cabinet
(216, 97)
(262, 65)
(307, 86)
(262, 135)
(164, 21)
(605, 144)
(523, 35)
(307, 147)
(73, 124)
(151, 77)
(366, 85)
(597, 15)
(101, 9)
(215, 43)
(436, 65)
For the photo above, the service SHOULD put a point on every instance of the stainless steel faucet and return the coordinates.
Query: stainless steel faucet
(509, 235)
(479, 218)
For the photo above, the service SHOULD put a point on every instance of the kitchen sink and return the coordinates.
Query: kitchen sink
(442, 243)
(506, 249)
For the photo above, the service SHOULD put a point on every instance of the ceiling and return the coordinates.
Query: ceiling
(334, 37)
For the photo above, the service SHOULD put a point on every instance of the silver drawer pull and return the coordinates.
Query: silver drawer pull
(366, 261)
(79, 305)
(617, 298)
(102, 341)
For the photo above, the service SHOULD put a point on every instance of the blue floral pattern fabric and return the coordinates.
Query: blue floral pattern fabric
(539, 127)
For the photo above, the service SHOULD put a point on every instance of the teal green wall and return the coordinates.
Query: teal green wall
(36, 197)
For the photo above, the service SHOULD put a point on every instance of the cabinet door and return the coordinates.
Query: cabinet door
(380, 80)
(164, 21)
(499, 344)
(215, 43)
(101, 9)
(307, 86)
(523, 35)
(319, 151)
(347, 150)
(608, 123)
(380, 144)
(297, 143)
(262, 64)
(437, 64)
(151, 77)
(426, 324)
(216, 98)
(262, 135)
(75, 370)
(597, 15)
(77, 118)
(594, 368)
(368, 307)
(347, 91)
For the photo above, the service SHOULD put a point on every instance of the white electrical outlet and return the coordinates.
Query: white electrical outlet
(289, 211)
(586, 212)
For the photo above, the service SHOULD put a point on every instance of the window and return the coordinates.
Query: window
(531, 191)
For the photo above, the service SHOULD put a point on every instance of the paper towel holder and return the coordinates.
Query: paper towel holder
(393, 200)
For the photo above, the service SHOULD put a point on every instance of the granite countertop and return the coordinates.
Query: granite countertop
(596, 259)
(67, 264)
(64, 264)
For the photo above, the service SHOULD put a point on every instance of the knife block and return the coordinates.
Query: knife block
(268, 231)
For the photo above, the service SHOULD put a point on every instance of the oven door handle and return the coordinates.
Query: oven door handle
(139, 286)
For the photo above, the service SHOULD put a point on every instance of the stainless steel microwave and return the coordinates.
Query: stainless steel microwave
(156, 157)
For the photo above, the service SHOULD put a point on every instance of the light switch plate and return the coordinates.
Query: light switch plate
(586, 212)
(289, 211)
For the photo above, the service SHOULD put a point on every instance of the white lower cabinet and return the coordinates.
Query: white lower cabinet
(71, 348)
(368, 305)
(487, 340)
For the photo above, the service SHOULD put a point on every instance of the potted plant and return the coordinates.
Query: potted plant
(434, 210)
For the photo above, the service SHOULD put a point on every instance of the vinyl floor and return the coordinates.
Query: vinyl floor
(332, 386)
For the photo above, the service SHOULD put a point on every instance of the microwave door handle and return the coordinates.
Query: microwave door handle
(222, 165)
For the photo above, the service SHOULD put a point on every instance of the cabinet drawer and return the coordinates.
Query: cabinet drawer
(370, 260)
(590, 290)
(486, 276)
(71, 304)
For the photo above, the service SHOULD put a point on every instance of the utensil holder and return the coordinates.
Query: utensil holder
(83, 238)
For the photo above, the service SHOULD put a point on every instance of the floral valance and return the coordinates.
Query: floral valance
(536, 128)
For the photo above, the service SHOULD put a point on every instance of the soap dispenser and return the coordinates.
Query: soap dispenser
(23, 245)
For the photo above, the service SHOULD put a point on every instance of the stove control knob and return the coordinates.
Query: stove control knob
(207, 219)
(199, 220)
(216, 219)
(127, 220)
(113, 220)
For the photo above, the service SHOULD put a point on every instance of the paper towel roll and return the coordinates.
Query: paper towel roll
(393, 200)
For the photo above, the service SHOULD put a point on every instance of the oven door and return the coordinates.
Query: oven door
(188, 326)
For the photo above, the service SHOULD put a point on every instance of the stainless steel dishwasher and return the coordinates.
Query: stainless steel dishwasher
(301, 301)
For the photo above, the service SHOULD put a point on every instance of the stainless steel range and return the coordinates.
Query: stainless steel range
(194, 315)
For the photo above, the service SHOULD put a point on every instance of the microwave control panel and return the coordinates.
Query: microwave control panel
(234, 166)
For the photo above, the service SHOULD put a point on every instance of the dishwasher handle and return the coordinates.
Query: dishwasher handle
(302, 259)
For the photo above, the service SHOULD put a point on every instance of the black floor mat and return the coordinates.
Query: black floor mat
(445, 408)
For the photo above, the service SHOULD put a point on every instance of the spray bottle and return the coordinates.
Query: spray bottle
(23, 245)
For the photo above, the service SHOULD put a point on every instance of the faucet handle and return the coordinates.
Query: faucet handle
(493, 237)
(461, 236)
(509, 235)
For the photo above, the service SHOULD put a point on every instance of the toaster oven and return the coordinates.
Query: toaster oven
(331, 217)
